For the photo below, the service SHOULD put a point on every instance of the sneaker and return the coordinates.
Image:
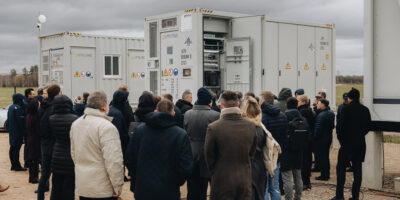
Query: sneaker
(321, 178)
(4, 188)
(306, 187)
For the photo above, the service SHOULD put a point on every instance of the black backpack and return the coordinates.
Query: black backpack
(298, 134)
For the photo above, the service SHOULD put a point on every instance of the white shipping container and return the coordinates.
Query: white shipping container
(230, 51)
(85, 63)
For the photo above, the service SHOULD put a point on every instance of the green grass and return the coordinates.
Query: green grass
(6, 95)
(342, 88)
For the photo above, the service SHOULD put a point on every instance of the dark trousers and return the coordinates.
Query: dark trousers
(306, 168)
(197, 186)
(33, 171)
(85, 198)
(63, 187)
(14, 156)
(323, 159)
(44, 178)
(343, 163)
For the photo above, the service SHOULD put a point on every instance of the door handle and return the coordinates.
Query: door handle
(298, 73)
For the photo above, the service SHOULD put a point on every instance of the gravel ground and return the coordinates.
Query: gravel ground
(20, 189)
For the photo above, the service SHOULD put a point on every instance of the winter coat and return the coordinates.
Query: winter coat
(258, 168)
(215, 107)
(183, 105)
(46, 138)
(97, 155)
(146, 105)
(309, 115)
(291, 159)
(159, 158)
(324, 124)
(195, 124)
(178, 117)
(275, 121)
(352, 127)
(60, 125)
(16, 120)
(116, 111)
(79, 109)
(230, 146)
(284, 94)
(33, 144)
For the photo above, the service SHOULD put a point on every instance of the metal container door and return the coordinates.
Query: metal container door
(306, 59)
(287, 35)
(136, 74)
(169, 62)
(324, 61)
(57, 67)
(238, 65)
(83, 70)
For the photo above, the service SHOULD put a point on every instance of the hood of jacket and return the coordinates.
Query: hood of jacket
(119, 99)
(180, 103)
(62, 104)
(146, 105)
(270, 109)
(284, 94)
(160, 120)
(18, 99)
(97, 113)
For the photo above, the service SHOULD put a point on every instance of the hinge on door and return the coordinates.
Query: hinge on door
(263, 72)
(280, 73)
(316, 73)
(298, 73)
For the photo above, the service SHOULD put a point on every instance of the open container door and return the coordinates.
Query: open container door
(238, 66)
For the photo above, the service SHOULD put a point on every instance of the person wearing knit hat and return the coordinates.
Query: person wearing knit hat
(299, 92)
(195, 123)
(351, 129)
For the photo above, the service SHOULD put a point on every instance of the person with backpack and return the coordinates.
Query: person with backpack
(251, 110)
(324, 125)
(292, 156)
(276, 122)
(305, 110)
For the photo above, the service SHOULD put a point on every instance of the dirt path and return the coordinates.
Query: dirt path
(20, 189)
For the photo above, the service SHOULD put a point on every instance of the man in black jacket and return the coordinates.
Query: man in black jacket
(352, 127)
(185, 103)
(46, 138)
(159, 157)
(196, 123)
(178, 115)
(324, 125)
(62, 165)
(276, 122)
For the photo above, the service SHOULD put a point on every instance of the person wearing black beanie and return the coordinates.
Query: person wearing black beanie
(195, 123)
(352, 127)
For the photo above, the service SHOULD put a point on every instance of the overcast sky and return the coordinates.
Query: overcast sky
(18, 32)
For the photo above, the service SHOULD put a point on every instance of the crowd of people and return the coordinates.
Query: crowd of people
(251, 147)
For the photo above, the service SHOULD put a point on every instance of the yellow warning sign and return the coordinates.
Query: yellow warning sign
(327, 56)
(165, 72)
(133, 75)
(56, 62)
(306, 67)
(323, 67)
(132, 57)
(287, 66)
(76, 74)
(75, 54)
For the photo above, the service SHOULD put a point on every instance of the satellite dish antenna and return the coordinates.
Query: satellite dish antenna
(42, 19)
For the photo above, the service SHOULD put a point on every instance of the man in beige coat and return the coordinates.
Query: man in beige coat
(96, 152)
(230, 145)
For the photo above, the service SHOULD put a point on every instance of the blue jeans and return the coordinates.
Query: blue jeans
(274, 190)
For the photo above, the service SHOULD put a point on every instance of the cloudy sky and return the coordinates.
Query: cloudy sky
(18, 32)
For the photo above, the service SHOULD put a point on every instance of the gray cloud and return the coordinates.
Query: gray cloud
(18, 33)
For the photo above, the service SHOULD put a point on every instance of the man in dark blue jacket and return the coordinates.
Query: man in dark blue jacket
(16, 122)
(324, 125)
(276, 122)
(159, 156)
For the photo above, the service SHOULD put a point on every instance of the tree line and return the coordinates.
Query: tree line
(28, 78)
(349, 79)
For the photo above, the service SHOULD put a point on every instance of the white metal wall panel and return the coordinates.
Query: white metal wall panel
(323, 57)
(270, 58)
(251, 27)
(238, 69)
(136, 71)
(306, 59)
(169, 62)
(288, 56)
(83, 75)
